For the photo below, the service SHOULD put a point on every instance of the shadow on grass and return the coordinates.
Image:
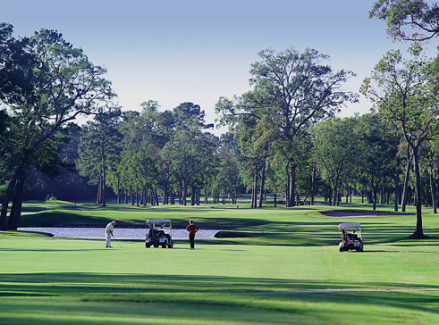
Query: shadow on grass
(175, 283)
(212, 290)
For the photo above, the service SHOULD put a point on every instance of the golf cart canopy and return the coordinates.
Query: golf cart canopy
(352, 224)
(158, 220)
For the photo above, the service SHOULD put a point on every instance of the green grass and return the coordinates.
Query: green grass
(45, 280)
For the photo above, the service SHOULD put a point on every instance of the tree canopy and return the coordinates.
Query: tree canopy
(409, 20)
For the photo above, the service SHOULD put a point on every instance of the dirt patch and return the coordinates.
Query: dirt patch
(359, 214)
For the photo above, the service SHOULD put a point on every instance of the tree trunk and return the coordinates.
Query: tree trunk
(156, 197)
(382, 195)
(374, 198)
(335, 192)
(437, 191)
(287, 187)
(183, 192)
(369, 197)
(255, 191)
(406, 181)
(126, 196)
(313, 183)
(143, 199)
(398, 169)
(98, 195)
(261, 190)
(206, 199)
(104, 198)
(433, 199)
(149, 198)
(15, 215)
(275, 200)
(193, 195)
(419, 233)
(118, 189)
(5, 203)
(293, 185)
(165, 195)
(132, 195)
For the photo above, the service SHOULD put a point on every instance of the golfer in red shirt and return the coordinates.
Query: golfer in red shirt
(192, 229)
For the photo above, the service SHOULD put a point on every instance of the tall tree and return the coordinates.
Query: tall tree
(100, 151)
(189, 155)
(376, 151)
(65, 84)
(292, 92)
(334, 151)
(401, 90)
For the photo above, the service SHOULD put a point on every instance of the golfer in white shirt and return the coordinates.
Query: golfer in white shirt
(109, 233)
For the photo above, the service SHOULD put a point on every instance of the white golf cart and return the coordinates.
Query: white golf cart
(350, 237)
(159, 233)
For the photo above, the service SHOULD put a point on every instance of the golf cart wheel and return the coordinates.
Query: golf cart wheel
(171, 245)
(361, 249)
(341, 249)
(156, 245)
(164, 245)
(147, 245)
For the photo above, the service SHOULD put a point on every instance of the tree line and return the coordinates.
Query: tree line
(283, 134)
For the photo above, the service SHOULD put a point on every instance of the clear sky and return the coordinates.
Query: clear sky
(175, 51)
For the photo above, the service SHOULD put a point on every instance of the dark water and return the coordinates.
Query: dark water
(121, 233)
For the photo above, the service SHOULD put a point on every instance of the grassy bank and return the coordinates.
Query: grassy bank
(45, 280)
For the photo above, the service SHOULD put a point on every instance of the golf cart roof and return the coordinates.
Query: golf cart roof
(352, 224)
(158, 220)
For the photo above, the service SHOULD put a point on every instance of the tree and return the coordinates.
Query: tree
(99, 151)
(252, 157)
(292, 92)
(15, 62)
(65, 84)
(335, 151)
(404, 93)
(409, 20)
(189, 155)
(376, 151)
(228, 169)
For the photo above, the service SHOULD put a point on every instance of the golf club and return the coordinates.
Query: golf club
(117, 241)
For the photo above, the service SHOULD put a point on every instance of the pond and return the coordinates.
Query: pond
(119, 233)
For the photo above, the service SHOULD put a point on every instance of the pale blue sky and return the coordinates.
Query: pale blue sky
(196, 51)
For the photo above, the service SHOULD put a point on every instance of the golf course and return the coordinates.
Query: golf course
(268, 266)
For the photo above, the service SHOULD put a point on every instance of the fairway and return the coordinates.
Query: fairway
(285, 275)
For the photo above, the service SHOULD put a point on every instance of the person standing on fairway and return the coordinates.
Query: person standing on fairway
(192, 229)
(109, 233)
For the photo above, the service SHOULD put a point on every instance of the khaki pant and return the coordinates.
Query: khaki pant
(108, 237)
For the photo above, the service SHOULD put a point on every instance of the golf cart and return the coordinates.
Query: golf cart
(350, 237)
(159, 233)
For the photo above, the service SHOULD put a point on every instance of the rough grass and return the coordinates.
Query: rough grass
(45, 280)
